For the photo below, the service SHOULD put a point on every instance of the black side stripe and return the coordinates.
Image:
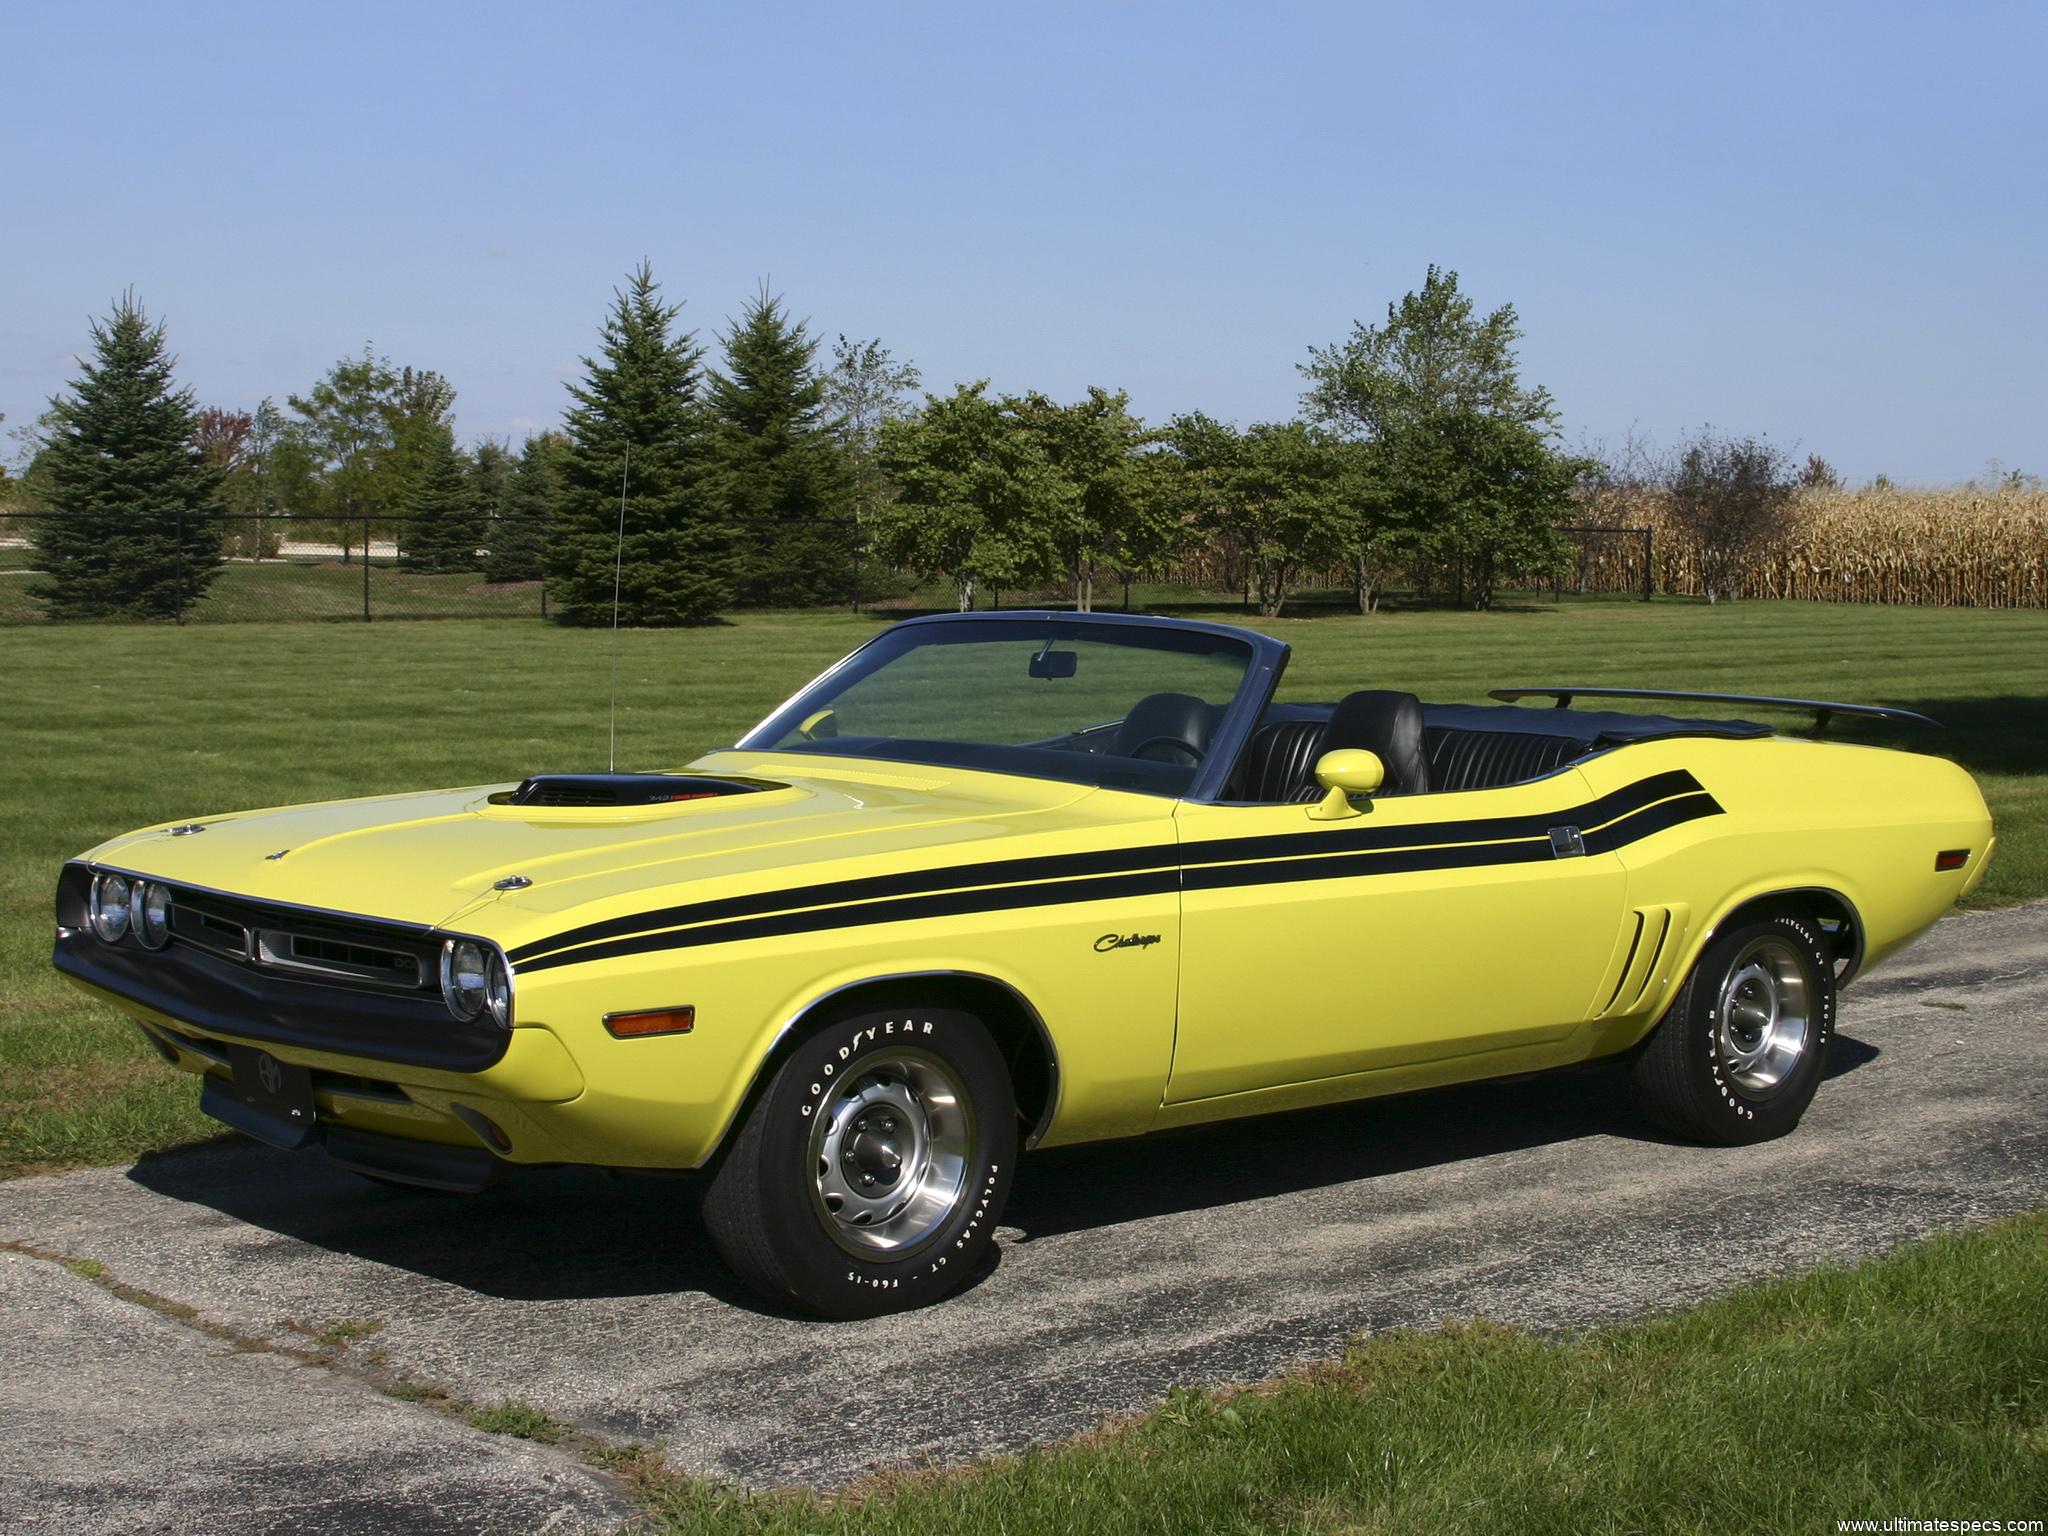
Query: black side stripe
(1403, 861)
(1154, 882)
(958, 903)
(1345, 839)
(1650, 821)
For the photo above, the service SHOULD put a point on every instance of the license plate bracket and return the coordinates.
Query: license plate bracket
(269, 1099)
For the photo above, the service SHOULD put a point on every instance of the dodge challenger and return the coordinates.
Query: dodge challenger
(1015, 880)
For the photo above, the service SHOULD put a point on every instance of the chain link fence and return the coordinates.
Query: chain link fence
(285, 570)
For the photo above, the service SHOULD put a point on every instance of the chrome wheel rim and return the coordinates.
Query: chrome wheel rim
(889, 1152)
(1765, 1017)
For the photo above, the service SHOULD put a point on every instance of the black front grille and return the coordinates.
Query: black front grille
(308, 946)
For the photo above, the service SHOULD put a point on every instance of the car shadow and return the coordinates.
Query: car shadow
(1074, 1188)
(554, 1234)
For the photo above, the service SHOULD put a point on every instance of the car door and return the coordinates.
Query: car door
(1429, 926)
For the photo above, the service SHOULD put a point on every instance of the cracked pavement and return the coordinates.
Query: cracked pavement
(1213, 1255)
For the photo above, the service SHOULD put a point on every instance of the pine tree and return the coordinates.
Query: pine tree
(131, 502)
(779, 471)
(636, 420)
(442, 527)
(517, 537)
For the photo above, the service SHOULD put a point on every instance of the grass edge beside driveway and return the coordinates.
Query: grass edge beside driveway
(1911, 1384)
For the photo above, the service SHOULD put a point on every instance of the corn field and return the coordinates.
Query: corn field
(1963, 548)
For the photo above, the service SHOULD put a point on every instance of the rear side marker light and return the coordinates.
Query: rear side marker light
(1953, 858)
(654, 1021)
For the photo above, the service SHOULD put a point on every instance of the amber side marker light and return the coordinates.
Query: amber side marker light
(654, 1021)
(1952, 858)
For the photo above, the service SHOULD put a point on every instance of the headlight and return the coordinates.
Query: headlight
(498, 990)
(149, 913)
(463, 978)
(109, 906)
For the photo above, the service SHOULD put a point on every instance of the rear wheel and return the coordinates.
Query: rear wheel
(869, 1176)
(1741, 1052)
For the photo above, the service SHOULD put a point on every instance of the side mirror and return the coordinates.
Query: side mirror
(822, 726)
(1344, 773)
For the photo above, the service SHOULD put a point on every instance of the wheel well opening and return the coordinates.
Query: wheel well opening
(1034, 1074)
(1839, 924)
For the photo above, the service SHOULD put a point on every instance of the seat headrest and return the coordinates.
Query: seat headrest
(1389, 725)
(1176, 716)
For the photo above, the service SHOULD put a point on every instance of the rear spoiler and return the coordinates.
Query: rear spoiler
(1823, 710)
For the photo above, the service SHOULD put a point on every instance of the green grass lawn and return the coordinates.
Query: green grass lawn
(1913, 1385)
(107, 727)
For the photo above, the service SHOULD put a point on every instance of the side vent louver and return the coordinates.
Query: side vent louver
(1643, 972)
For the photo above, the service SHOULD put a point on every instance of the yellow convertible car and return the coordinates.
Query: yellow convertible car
(997, 881)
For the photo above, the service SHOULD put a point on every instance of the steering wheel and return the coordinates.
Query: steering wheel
(1193, 752)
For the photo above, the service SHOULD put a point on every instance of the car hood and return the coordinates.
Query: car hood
(438, 858)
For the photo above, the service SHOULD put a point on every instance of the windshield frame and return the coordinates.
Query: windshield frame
(1254, 690)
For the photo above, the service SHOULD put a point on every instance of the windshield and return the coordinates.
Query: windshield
(1124, 706)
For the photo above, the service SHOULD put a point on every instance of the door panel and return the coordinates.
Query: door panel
(1429, 926)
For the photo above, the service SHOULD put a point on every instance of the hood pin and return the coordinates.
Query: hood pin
(512, 883)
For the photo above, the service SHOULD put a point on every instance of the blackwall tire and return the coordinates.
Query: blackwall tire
(870, 1175)
(1744, 1046)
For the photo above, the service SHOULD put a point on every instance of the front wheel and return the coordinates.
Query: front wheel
(870, 1175)
(1741, 1052)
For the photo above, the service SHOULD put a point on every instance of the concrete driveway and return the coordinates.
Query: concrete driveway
(1205, 1256)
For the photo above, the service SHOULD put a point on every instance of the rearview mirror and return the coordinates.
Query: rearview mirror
(1054, 663)
(1346, 772)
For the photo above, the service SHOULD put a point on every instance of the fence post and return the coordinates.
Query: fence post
(366, 570)
(1649, 563)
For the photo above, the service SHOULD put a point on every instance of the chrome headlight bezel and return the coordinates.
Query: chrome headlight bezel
(498, 990)
(465, 977)
(107, 907)
(149, 913)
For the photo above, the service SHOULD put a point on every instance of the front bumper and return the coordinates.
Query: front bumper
(403, 1090)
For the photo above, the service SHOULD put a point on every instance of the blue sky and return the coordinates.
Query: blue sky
(1824, 223)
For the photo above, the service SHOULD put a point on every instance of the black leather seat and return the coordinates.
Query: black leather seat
(1489, 759)
(1279, 763)
(1166, 728)
(1389, 724)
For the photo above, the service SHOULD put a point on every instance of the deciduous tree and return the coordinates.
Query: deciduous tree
(1733, 498)
(1489, 492)
(1433, 354)
(866, 388)
(1273, 492)
(344, 424)
(975, 493)
(1104, 516)
(1434, 363)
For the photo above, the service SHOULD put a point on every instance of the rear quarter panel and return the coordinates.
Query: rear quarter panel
(1862, 822)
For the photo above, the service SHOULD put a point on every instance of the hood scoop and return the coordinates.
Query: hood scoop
(608, 790)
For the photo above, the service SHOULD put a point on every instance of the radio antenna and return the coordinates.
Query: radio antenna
(618, 567)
